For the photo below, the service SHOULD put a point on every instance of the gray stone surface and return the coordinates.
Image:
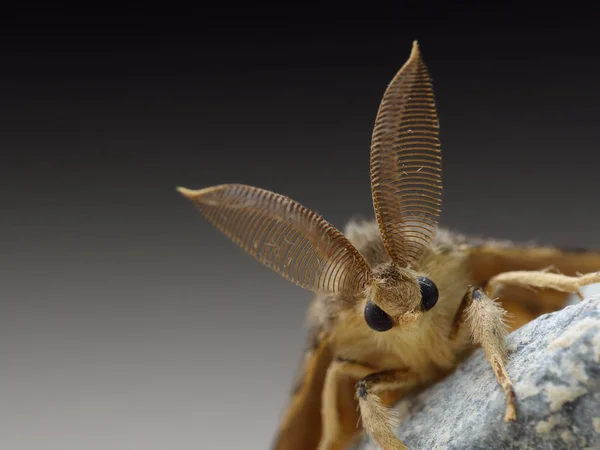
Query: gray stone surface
(555, 366)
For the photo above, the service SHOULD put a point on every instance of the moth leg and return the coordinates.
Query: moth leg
(339, 421)
(378, 420)
(485, 319)
(541, 280)
(489, 258)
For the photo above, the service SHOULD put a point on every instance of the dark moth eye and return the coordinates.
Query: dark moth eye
(429, 293)
(377, 318)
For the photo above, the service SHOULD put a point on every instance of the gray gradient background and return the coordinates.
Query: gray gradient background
(126, 321)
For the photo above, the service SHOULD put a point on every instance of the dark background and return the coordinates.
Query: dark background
(128, 322)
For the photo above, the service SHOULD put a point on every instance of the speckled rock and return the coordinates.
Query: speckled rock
(555, 366)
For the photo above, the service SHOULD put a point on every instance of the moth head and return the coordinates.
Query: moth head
(398, 297)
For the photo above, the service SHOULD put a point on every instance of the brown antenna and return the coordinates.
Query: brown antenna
(285, 236)
(406, 171)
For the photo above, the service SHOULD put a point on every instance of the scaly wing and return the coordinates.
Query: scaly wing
(300, 427)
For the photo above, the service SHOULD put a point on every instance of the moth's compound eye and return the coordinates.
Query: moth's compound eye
(429, 293)
(377, 318)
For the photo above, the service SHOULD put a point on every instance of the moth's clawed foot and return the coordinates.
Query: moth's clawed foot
(510, 414)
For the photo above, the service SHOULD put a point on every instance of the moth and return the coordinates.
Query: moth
(400, 301)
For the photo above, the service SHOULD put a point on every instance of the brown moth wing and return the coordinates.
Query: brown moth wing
(350, 427)
(489, 258)
(300, 427)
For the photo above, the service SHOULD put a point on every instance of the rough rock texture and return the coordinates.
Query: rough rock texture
(555, 366)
